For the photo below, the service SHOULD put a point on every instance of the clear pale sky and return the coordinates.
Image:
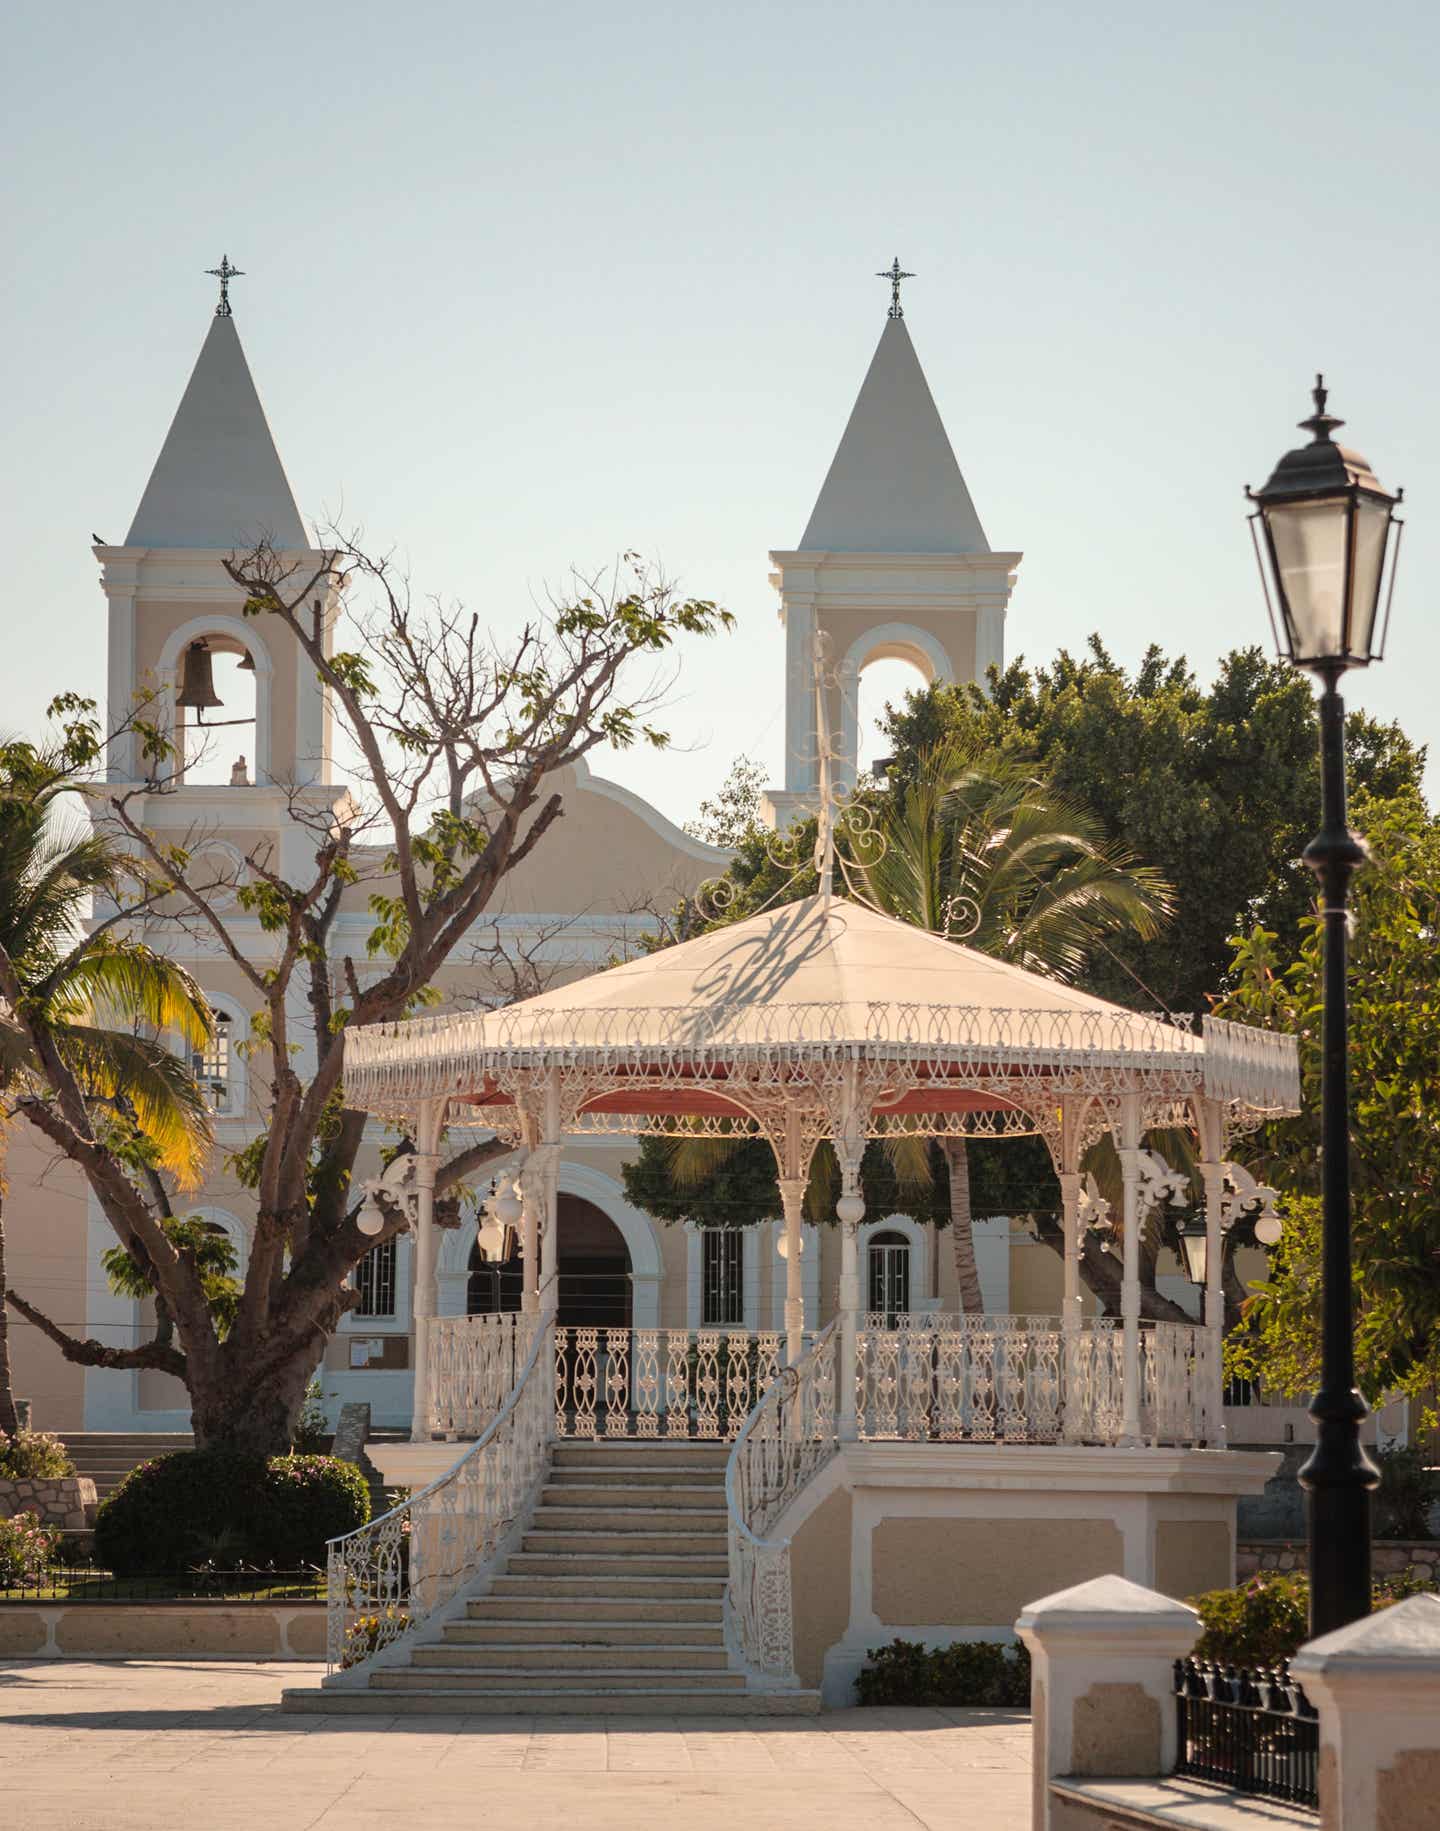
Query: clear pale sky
(526, 286)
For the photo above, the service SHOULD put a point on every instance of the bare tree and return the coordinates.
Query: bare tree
(458, 735)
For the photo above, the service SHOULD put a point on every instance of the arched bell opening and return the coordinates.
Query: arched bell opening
(217, 711)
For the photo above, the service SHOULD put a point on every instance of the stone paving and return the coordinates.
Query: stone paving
(166, 1745)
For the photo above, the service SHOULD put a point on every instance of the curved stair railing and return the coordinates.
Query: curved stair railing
(392, 1576)
(783, 1444)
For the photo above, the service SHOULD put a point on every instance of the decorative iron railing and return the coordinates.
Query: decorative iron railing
(700, 1383)
(1026, 1379)
(473, 1363)
(783, 1444)
(1253, 1731)
(387, 1579)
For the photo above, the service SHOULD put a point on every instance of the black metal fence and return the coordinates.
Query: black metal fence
(1254, 1731)
(82, 1582)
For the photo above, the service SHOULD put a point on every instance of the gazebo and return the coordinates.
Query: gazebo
(824, 1019)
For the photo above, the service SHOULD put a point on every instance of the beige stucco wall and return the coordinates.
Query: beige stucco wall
(982, 1572)
(1192, 1555)
(45, 1226)
(160, 1630)
(820, 1583)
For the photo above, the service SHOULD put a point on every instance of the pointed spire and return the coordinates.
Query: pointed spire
(894, 485)
(218, 481)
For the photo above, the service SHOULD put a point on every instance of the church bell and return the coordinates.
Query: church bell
(197, 683)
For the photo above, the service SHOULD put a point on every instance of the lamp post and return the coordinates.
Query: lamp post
(1324, 527)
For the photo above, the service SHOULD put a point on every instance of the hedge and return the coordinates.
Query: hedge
(969, 1672)
(213, 1506)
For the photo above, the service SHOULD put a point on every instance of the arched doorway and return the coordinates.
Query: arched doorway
(593, 1264)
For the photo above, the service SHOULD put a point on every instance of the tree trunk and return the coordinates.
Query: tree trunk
(9, 1423)
(962, 1232)
(252, 1413)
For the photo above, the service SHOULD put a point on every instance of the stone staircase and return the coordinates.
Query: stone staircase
(107, 1456)
(613, 1605)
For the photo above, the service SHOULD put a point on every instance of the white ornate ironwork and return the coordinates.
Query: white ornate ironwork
(1024, 1379)
(741, 1064)
(473, 1364)
(690, 1383)
(783, 1444)
(388, 1578)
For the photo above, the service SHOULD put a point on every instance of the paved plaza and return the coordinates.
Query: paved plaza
(160, 1746)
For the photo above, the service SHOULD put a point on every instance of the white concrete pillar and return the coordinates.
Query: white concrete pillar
(1130, 1424)
(1376, 1685)
(1101, 1686)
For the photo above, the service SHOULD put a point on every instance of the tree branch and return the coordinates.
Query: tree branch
(87, 1352)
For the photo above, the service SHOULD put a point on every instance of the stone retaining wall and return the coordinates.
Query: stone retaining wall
(162, 1630)
(67, 1501)
(1388, 1557)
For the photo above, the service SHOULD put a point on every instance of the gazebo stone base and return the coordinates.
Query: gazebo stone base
(938, 1542)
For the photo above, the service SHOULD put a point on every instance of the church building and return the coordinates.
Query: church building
(894, 563)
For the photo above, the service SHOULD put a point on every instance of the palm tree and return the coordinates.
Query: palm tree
(99, 1001)
(978, 848)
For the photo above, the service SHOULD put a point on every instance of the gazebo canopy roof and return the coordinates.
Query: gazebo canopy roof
(774, 1007)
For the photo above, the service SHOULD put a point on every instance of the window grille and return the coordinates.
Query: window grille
(375, 1281)
(889, 1265)
(211, 1066)
(722, 1281)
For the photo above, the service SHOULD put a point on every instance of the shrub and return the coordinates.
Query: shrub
(1407, 1492)
(33, 1455)
(217, 1507)
(977, 1672)
(311, 1434)
(26, 1549)
(1267, 1619)
(314, 1498)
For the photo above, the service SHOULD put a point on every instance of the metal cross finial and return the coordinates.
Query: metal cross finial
(225, 273)
(895, 273)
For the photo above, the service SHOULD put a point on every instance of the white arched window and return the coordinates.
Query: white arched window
(213, 1065)
(888, 1276)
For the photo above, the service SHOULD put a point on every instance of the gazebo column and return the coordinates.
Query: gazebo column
(792, 1198)
(551, 1144)
(794, 1165)
(1212, 1175)
(1071, 1183)
(532, 1199)
(425, 1296)
(1130, 1135)
(849, 1211)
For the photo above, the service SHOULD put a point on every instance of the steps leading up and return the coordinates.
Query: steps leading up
(107, 1457)
(612, 1606)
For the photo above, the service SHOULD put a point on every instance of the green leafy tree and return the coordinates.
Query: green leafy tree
(1217, 787)
(974, 845)
(461, 736)
(1395, 1118)
(89, 1003)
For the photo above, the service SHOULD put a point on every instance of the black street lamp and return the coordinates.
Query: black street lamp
(1327, 527)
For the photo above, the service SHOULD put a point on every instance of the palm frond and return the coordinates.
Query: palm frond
(154, 1085)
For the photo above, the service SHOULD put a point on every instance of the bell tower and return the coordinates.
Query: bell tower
(893, 564)
(241, 702)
